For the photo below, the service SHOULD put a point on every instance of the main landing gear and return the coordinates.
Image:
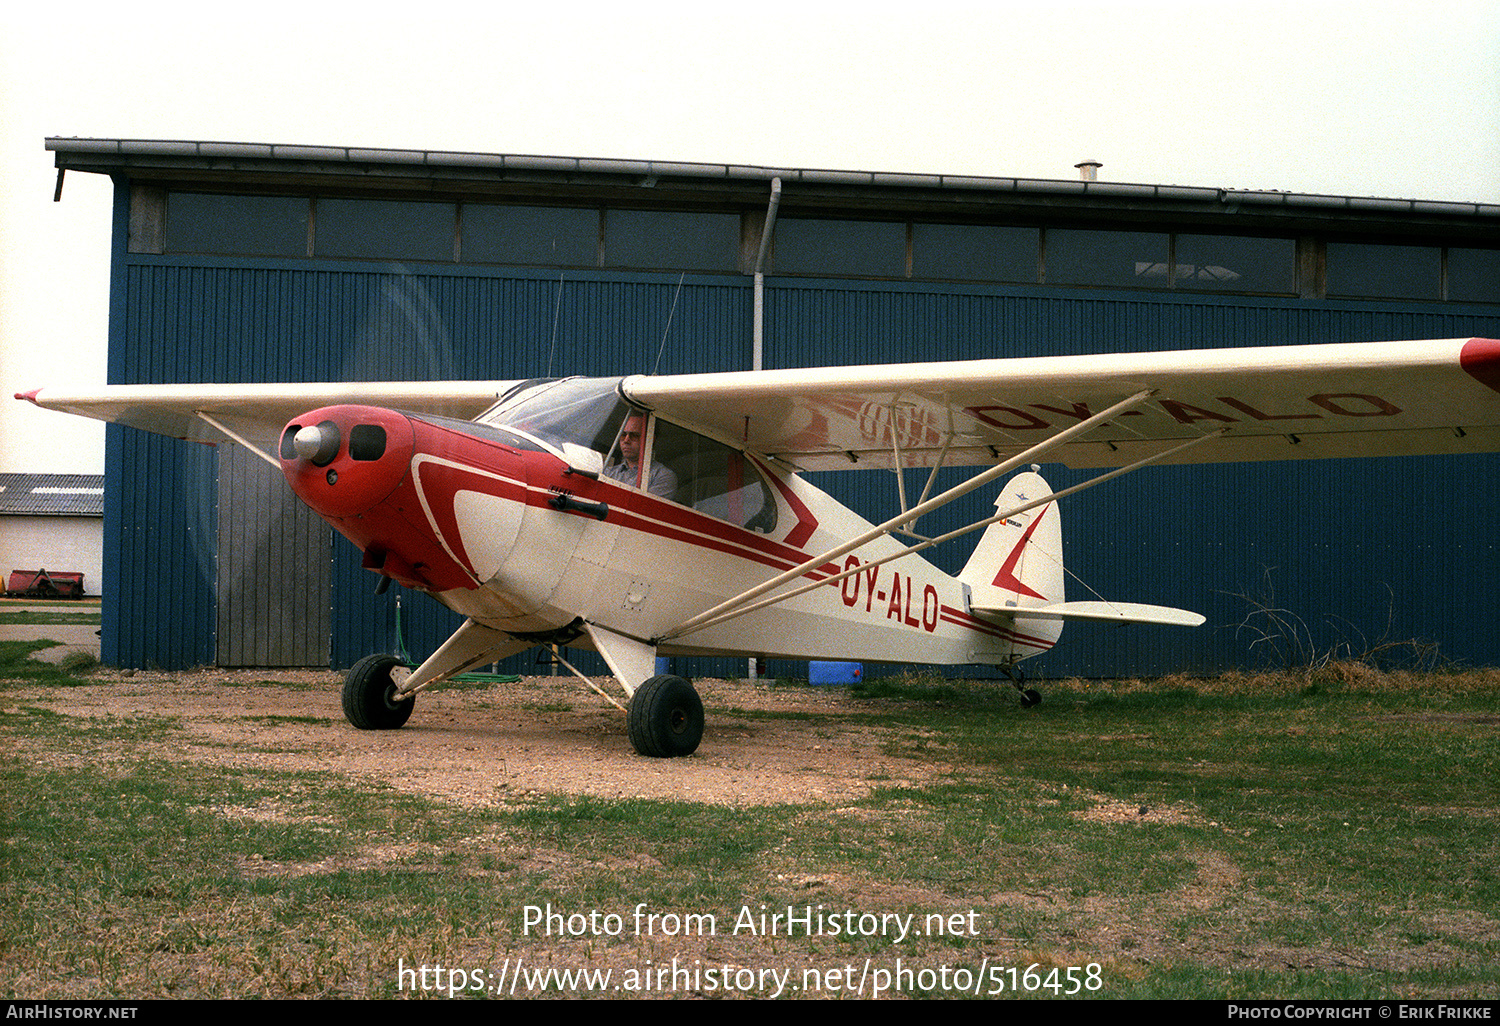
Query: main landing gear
(369, 695)
(665, 717)
(1029, 696)
(664, 720)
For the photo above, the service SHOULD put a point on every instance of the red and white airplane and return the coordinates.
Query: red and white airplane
(669, 514)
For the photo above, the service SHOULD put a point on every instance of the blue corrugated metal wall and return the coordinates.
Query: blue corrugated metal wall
(1331, 537)
(1354, 553)
(160, 524)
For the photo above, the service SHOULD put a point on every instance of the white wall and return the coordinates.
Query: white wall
(54, 543)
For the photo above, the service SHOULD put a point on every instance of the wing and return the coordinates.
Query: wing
(1288, 402)
(257, 413)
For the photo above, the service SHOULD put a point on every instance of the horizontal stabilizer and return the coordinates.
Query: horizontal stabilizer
(1109, 612)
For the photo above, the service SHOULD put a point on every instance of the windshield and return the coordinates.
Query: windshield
(584, 411)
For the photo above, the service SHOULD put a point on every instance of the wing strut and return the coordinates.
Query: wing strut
(557, 654)
(907, 516)
(900, 468)
(272, 460)
(928, 543)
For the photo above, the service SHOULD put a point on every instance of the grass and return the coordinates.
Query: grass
(1327, 835)
(16, 664)
(63, 616)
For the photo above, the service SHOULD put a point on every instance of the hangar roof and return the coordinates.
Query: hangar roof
(261, 167)
(77, 495)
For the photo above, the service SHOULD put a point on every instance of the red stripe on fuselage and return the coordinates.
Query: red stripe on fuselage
(959, 618)
(806, 522)
(536, 478)
(444, 479)
(664, 518)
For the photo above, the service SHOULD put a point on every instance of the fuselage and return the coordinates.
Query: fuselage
(505, 529)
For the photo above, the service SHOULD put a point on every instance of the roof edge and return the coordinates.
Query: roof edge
(92, 149)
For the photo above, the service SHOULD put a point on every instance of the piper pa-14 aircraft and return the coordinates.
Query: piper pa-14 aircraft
(669, 514)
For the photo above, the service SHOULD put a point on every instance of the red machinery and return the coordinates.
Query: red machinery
(42, 584)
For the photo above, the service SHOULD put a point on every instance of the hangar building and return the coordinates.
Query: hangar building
(240, 263)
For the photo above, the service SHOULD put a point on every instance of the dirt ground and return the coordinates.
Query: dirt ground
(495, 744)
(487, 744)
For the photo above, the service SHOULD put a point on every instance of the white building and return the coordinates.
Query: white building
(53, 522)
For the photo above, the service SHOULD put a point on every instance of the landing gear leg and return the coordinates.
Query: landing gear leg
(1029, 696)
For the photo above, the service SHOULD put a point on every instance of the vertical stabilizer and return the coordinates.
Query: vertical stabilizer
(1019, 560)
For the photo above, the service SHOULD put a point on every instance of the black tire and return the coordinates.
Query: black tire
(1030, 698)
(666, 718)
(369, 695)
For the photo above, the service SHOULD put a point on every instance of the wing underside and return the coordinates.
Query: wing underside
(1272, 403)
(257, 413)
(1267, 403)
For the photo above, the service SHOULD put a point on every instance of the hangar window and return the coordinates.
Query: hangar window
(164, 221)
(1080, 257)
(245, 225)
(1358, 270)
(675, 239)
(1226, 263)
(385, 230)
(974, 252)
(1474, 275)
(874, 249)
(530, 236)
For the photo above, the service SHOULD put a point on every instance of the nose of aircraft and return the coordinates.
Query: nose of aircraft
(317, 442)
(344, 460)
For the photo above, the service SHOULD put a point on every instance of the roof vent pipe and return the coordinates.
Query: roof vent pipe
(1088, 171)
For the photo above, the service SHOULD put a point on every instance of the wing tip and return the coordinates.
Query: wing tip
(30, 396)
(1480, 358)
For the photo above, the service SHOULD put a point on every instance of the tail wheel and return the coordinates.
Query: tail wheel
(665, 718)
(1029, 696)
(370, 701)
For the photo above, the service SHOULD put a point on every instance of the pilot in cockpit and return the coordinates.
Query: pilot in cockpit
(661, 481)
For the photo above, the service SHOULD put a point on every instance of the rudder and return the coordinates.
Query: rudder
(1020, 556)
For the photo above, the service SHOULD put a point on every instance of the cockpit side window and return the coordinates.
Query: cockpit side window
(640, 450)
(714, 478)
(629, 460)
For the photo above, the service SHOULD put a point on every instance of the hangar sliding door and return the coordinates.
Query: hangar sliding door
(273, 569)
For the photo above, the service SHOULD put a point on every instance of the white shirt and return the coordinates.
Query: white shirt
(662, 481)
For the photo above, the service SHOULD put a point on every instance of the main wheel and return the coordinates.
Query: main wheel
(666, 718)
(370, 701)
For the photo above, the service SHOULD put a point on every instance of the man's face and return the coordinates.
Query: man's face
(631, 436)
